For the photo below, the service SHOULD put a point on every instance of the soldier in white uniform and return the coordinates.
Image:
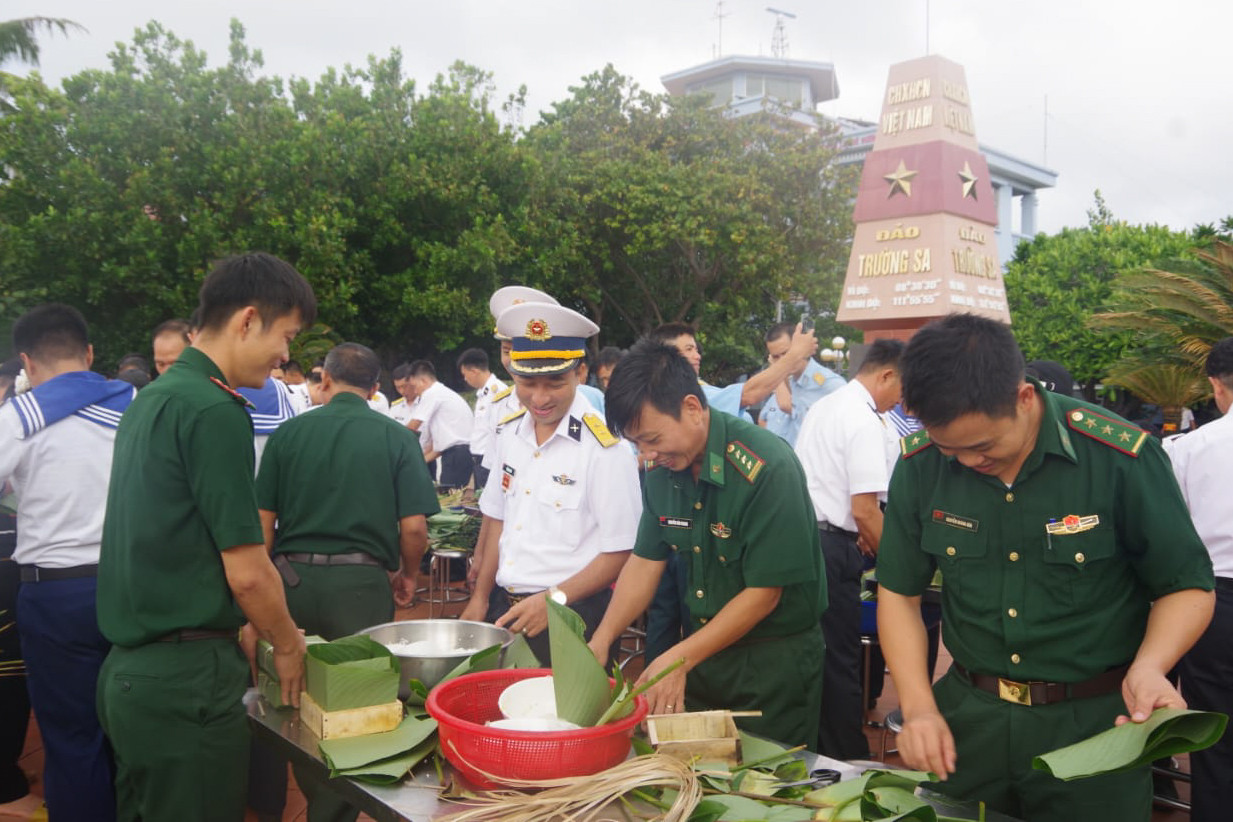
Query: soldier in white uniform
(473, 365)
(561, 510)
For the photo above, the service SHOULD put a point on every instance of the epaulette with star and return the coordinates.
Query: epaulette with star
(503, 394)
(511, 418)
(596, 426)
(914, 443)
(747, 463)
(236, 395)
(1118, 435)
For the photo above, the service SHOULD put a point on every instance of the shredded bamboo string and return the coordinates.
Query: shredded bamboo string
(585, 798)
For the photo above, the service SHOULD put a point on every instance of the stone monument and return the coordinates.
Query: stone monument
(925, 214)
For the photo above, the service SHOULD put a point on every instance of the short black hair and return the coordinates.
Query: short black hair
(779, 330)
(401, 372)
(670, 331)
(132, 362)
(354, 365)
(313, 377)
(52, 331)
(134, 377)
(608, 356)
(1220, 362)
(258, 279)
(173, 326)
(423, 368)
(961, 364)
(883, 353)
(292, 367)
(651, 372)
(473, 358)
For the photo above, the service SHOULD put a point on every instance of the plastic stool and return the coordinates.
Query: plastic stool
(892, 723)
(440, 591)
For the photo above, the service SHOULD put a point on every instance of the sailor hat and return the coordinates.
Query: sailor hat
(512, 295)
(547, 338)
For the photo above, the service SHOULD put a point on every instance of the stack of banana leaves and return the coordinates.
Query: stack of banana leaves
(453, 527)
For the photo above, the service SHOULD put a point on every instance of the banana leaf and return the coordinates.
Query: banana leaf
(894, 803)
(382, 757)
(1166, 732)
(352, 672)
(520, 655)
(579, 681)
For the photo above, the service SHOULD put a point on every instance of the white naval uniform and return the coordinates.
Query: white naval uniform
(445, 417)
(60, 476)
(561, 503)
(505, 404)
(484, 427)
(400, 411)
(843, 447)
(1201, 461)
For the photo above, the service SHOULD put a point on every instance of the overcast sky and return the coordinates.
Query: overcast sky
(1138, 92)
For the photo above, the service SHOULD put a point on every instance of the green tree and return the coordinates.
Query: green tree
(1055, 283)
(18, 39)
(652, 209)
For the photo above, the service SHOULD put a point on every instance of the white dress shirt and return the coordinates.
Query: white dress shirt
(400, 411)
(60, 476)
(562, 503)
(445, 417)
(504, 405)
(844, 448)
(1201, 462)
(484, 427)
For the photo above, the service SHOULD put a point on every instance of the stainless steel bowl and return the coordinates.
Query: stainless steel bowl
(442, 633)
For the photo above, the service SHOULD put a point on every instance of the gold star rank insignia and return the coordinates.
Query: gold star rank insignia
(1112, 431)
(900, 180)
(914, 443)
(969, 181)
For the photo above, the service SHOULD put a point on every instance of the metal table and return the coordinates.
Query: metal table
(412, 800)
(415, 799)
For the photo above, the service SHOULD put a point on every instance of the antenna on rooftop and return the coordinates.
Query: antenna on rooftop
(719, 16)
(779, 40)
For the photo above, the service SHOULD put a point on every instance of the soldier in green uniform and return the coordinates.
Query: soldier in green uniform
(350, 493)
(1073, 579)
(731, 499)
(183, 561)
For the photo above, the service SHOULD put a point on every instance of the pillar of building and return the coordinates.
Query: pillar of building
(1027, 215)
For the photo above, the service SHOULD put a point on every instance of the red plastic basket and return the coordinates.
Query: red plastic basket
(462, 706)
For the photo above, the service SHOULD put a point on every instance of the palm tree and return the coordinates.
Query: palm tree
(17, 36)
(1170, 386)
(1185, 309)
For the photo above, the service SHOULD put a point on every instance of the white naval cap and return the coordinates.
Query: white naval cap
(512, 295)
(547, 338)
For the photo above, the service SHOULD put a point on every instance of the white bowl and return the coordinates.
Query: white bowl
(534, 723)
(529, 698)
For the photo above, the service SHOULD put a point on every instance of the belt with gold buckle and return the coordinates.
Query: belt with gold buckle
(1045, 693)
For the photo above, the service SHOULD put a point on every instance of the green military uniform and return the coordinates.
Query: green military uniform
(181, 491)
(746, 523)
(1050, 579)
(340, 479)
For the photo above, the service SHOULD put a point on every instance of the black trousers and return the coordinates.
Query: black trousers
(1206, 673)
(455, 466)
(841, 733)
(14, 701)
(591, 609)
(481, 473)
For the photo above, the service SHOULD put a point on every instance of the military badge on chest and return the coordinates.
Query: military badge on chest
(507, 476)
(720, 530)
(1072, 524)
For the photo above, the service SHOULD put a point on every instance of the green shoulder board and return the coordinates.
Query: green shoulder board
(747, 463)
(596, 426)
(1118, 435)
(503, 394)
(914, 443)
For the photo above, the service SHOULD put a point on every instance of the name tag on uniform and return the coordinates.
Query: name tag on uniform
(508, 476)
(676, 522)
(955, 521)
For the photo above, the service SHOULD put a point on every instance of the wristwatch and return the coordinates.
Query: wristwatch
(557, 595)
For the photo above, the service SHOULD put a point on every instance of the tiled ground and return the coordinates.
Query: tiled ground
(32, 759)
